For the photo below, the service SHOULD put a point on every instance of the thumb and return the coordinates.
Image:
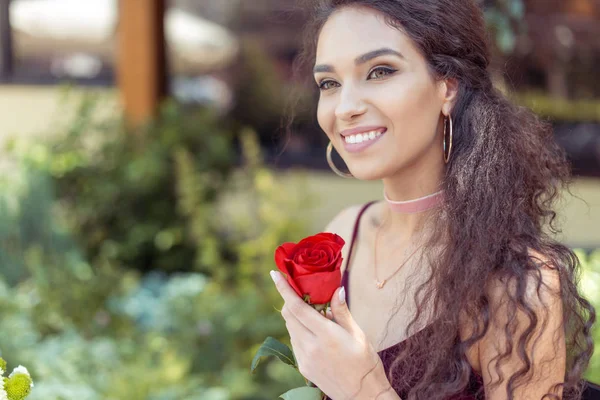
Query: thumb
(341, 313)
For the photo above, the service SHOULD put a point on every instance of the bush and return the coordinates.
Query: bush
(129, 275)
(590, 287)
(125, 193)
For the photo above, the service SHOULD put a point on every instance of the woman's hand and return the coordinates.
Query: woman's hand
(335, 356)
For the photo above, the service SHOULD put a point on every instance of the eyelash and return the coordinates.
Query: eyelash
(388, 71)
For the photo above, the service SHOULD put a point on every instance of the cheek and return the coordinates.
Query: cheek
(412, 107)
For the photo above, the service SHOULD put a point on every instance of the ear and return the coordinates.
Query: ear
(448, 94)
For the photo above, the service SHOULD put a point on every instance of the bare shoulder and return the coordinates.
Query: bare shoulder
(546, 276)
(342, 224)
(539, 317)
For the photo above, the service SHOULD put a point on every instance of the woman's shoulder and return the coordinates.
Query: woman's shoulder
(343, 222)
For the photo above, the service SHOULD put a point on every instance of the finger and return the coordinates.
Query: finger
(341, 313)
(308, 316)
(329, 314)
(295, 327)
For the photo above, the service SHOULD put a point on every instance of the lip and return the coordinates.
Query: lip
(357, 147)
(360, 129)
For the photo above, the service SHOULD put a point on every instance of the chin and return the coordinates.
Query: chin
(366, 175)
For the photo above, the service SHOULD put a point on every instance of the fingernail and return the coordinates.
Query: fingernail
(274, 276)
(342, 295)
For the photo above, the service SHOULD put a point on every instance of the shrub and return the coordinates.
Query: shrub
(137, 265)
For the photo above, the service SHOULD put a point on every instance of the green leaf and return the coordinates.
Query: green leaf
(273, 347)
(303, 393)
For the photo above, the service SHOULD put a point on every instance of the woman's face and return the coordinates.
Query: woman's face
(374, 83)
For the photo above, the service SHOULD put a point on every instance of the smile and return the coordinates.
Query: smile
(363, 137)
(360, 141)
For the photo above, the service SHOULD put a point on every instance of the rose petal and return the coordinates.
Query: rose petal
(330, 237)
(294, 286)
(283, 252)
(322, 237)
(313, 258)
(300, 269)
(336, 263)
(312, 266)
(304, 266)
(330, 266)
(286, 269)
(304, 256)
(320, 286)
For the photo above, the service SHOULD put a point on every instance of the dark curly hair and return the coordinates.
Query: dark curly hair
(501, 184)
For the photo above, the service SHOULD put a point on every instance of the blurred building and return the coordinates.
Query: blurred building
(559, 50)
(555, 54)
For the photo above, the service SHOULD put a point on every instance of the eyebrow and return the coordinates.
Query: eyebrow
(361, 59)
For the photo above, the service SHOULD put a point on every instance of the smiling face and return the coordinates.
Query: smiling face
(374, 81)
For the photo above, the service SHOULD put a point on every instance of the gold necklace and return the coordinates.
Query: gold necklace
(379, 283)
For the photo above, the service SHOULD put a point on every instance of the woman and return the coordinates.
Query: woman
(456, 288)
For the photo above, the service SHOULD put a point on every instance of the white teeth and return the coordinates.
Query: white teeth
(362, 137)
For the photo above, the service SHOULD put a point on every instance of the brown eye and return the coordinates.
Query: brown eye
(325, 85)
(381, 72)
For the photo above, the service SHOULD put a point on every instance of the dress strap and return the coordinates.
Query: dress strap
(354, 235)
(355, 230)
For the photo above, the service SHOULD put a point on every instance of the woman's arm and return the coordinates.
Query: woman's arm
(546, 350)
(377, 387)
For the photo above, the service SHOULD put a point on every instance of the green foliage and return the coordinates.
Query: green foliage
(81, 307)
(559, 109)
(127, 192)
(590, 288)
(273, 347)
(504, 18)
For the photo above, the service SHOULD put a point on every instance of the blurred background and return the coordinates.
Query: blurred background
(147, 180)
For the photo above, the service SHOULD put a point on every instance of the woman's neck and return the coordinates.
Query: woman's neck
(405, 211)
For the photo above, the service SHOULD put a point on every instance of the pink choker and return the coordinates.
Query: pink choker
(417, 205)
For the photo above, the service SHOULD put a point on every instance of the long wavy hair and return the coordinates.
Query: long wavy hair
(501, 184)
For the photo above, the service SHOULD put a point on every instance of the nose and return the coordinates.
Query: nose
(350, 104)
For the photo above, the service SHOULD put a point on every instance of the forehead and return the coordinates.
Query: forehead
(352, 31)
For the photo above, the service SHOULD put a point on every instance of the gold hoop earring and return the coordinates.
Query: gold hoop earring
(332, 165)
(447, 157)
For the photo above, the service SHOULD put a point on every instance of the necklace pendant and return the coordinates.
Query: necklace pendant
(380, 284)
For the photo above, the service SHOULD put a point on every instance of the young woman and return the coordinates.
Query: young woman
(456, 287)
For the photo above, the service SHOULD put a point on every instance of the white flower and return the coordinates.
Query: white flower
(20, 370)
(3, 395)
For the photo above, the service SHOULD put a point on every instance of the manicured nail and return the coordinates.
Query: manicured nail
(274, 276)
(342, 295)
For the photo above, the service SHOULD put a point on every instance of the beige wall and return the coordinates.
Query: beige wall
(43, 110)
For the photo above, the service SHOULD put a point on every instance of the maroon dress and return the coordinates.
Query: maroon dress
(474, 390)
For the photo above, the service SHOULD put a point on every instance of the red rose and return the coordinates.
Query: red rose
(312, 267)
